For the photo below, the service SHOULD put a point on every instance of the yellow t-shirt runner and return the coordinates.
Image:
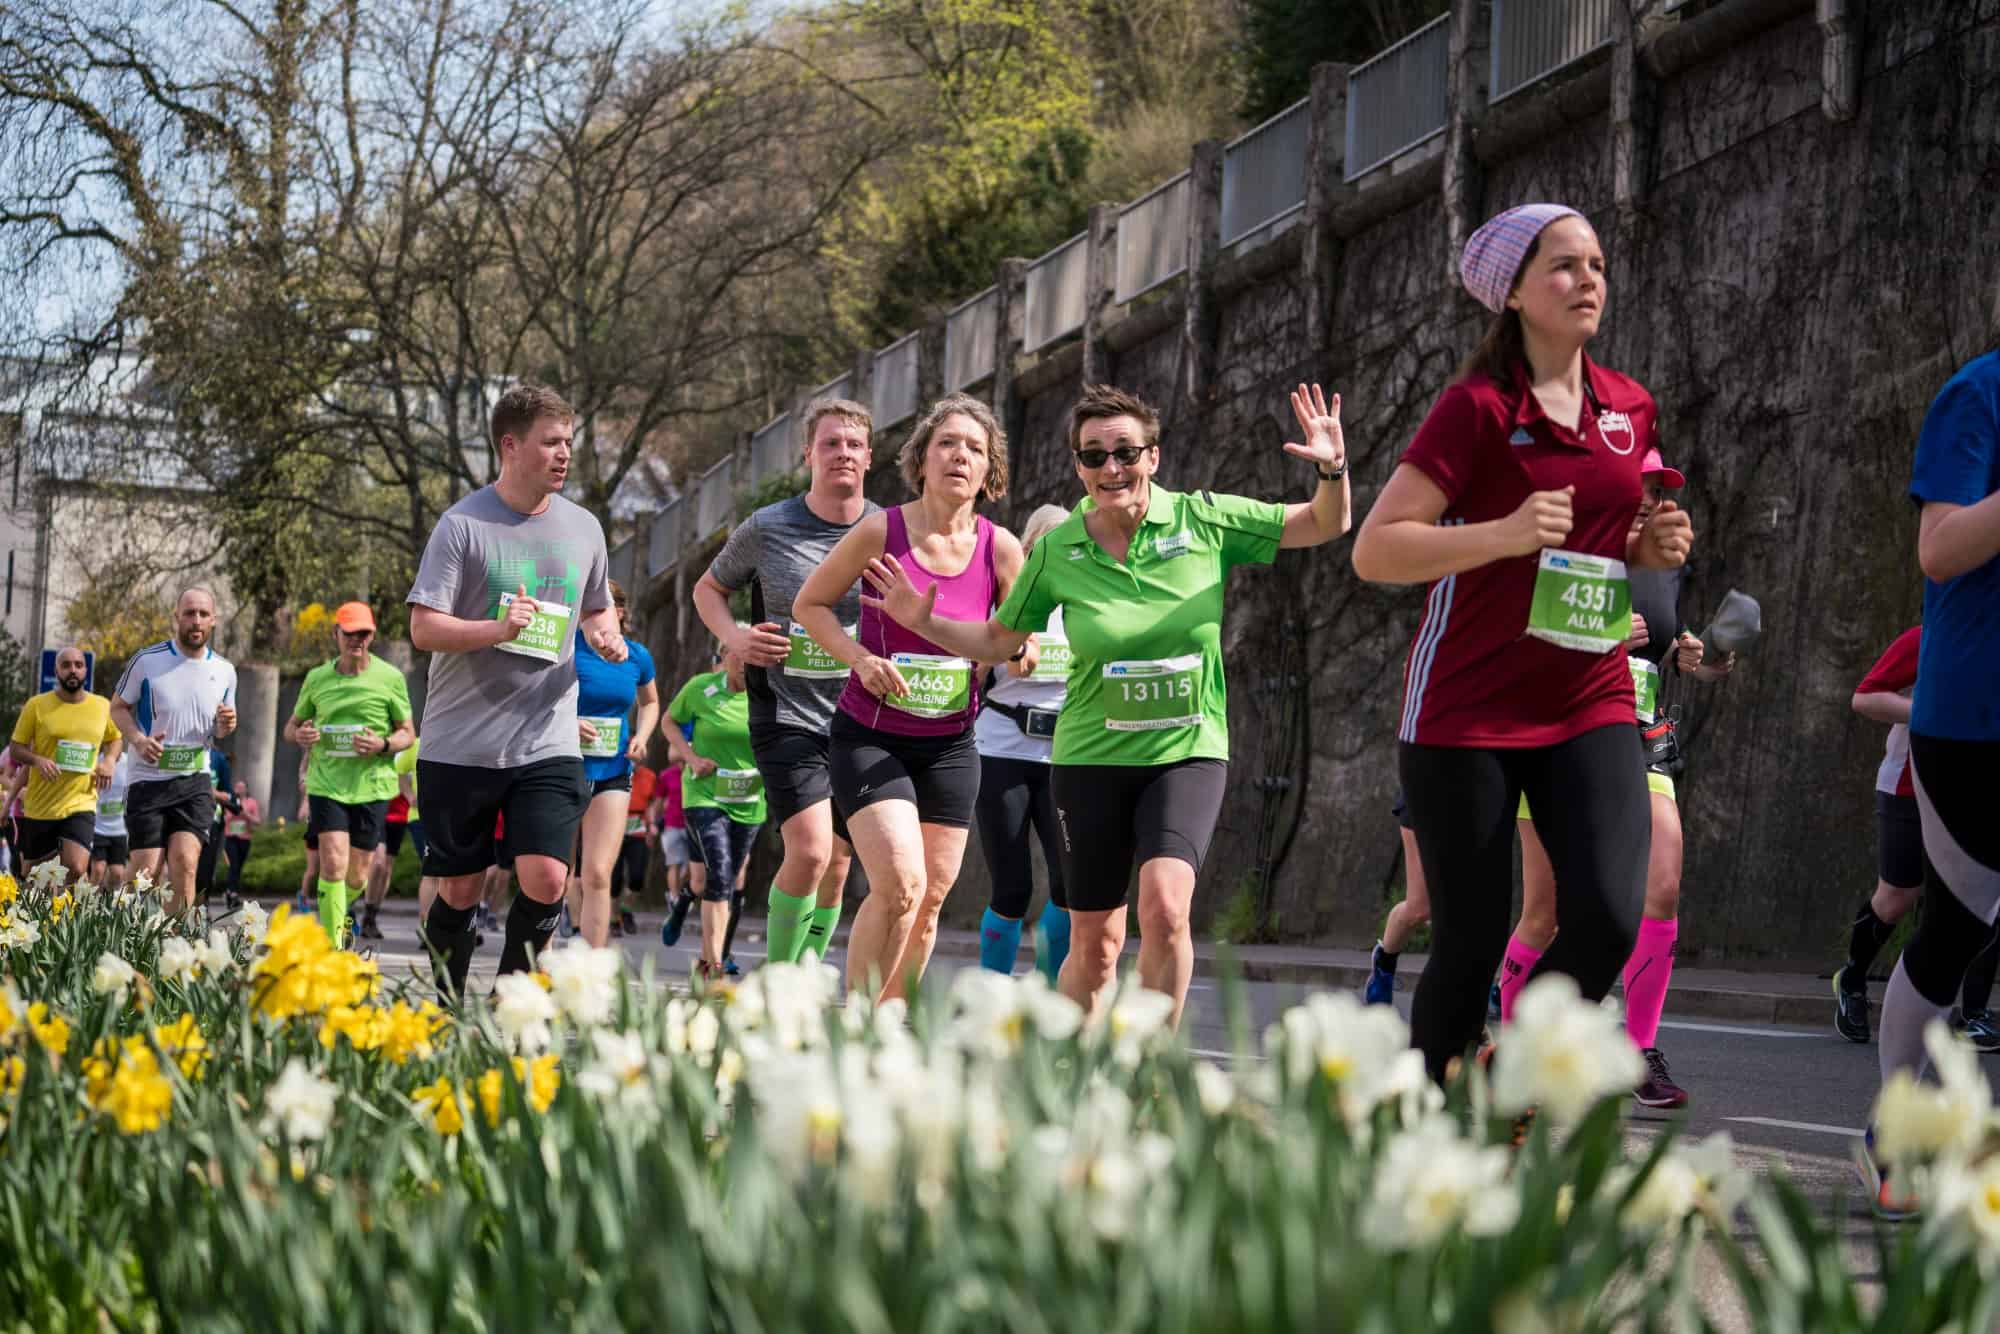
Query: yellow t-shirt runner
(73, 735)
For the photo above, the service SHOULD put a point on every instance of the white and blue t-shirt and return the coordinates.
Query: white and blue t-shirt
(174, 697)
(606, 690)
(1958, 463)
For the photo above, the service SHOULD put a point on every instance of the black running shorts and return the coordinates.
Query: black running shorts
(156, 811)
(39, 839)
(111, 849)
(937, 774)
(1899, 841)
(797, 769)
(542, 802)
(362, 822)
(1114, 818)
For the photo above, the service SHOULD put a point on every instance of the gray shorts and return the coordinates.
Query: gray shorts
(674, 846)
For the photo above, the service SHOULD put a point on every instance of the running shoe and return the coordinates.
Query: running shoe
(370, 928)
(670, 930)
(1381, 989)
(1493, 1005)
(1890, 1205)
(1659, 1089)
(1850, 1008)
(231, 901)
(627, 923)
(617, 928)
(1983, 1031)
(729, 968)
(567, 927)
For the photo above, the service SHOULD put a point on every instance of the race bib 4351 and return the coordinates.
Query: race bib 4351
(1581, 602)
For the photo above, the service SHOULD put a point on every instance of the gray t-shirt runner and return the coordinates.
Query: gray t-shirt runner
(513, 704)
(773, 551)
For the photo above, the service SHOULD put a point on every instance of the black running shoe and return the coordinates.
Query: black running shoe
(627, 922)
(1982, 1031)
(1850, 1009)
(370, 928)
(1658, 1088)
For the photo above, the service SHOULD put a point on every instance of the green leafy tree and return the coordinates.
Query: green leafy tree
(1284, 39)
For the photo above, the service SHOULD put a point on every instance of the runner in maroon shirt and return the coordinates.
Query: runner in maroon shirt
(1516, 505)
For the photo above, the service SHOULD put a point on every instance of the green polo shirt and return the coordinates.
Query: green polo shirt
(721, 719)
(1145, 634)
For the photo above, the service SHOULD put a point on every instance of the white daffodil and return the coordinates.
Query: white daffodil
(300, 1105)
(1561, 1053)
(20, 933)
(111, 975)
(994, 1013)
(704, 1030)
(251, 921)
(785, 1001)
(523, 1011)
(1362, 1050)
(1916, 1122)
(1213, 1088)
(178, 960)
(214, 954)
(1965, 1211)
(799, 1114)
(46, 876)
(1136, 1019)
(620, 1075)
(584, 982)
(1432, 1181)
(675, 1034)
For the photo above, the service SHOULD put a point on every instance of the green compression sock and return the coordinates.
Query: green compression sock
(333, 909)
(785, 926)
(819, 930)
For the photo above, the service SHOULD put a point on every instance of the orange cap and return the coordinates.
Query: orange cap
(352, 616)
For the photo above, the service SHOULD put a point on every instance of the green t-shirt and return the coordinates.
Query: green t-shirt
(406, 763)
(376, 698)
(1145, 635)
(721, 719)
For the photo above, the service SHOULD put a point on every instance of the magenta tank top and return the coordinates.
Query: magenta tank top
(965, 596)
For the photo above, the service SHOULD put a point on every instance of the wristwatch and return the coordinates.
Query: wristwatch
(1333, 476)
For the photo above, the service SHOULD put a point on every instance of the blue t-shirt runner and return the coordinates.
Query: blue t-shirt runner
(605, 694)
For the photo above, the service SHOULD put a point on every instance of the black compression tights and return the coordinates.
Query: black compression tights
(1593, 816)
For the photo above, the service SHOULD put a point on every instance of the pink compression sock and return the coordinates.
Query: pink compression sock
(1514, 970)
(1647, 973)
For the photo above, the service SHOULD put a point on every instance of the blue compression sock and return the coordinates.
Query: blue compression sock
(999, 942)
(1051, 941)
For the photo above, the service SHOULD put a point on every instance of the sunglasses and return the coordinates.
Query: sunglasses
(1127, 455)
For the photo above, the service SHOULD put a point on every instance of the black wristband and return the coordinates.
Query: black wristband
(1333, 476)
(1019, 653)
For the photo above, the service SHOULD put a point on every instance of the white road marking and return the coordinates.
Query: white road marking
(1737, 1029)
(1815, 1127)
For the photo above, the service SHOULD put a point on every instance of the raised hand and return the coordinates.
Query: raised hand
(520, 613)
(897, 597)
(1326, 443)
(1667, 538)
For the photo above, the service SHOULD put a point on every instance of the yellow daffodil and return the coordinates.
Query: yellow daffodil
(125, 1084)
(50, 1029)
(184, 1045)
(441, 1106)
(408, 1030)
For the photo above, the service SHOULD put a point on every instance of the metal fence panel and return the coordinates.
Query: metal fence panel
(841, 386)
(970, 332)
(771, 449)
(1058, 293)
(894, 381)
(1397, 100)
(1152, 239)
(1264, 173)
(715, 497)
(1534, 38)
(663, 538)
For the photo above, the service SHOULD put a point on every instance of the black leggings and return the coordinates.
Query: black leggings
(1961, 862)
(1594, 817)
(629, 868)
(1014, 794)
